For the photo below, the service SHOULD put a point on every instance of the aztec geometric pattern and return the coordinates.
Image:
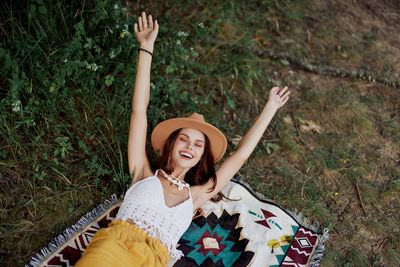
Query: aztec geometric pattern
(301, 249)
(249, 231)
(214, 241)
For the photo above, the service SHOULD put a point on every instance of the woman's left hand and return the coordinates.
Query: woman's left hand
(278, 96)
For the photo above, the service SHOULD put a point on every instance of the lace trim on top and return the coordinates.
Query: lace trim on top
(148, 211)
(153, 229)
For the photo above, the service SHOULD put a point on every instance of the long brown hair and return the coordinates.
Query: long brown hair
(199, 174)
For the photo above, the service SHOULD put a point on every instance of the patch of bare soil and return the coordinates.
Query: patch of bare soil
(354, 34)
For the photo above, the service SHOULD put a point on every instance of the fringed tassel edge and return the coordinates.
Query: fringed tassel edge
(69, 232)
(304, 221)
(319, 250)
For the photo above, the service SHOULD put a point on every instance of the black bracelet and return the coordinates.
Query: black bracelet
(147, 51)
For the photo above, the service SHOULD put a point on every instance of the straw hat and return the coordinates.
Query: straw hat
(196, 121)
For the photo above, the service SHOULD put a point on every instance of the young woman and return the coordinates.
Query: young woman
(158, 207)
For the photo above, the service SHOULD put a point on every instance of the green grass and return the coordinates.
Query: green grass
(66, 77)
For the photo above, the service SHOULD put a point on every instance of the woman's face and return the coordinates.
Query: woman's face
(188, 148)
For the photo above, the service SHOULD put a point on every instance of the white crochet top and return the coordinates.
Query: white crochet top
(144, 204)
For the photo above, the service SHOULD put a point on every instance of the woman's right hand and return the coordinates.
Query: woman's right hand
(146, 32)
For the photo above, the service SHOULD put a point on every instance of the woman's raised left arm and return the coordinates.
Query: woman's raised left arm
(277, 98)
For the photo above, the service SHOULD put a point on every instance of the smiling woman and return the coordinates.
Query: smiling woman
(158, 207)
(189, 146)
(195, 149)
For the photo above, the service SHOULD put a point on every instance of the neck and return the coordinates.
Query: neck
(180, 173)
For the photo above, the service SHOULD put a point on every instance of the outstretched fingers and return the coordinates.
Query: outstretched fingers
(274, 90)
(151, 24)
(284, 100)
(140, 23)
(285, 97)
(145, 23)
(284, 93)
(144, 18)
(156, 25)
(279, 96)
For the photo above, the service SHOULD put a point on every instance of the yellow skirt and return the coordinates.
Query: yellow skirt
(122, 244)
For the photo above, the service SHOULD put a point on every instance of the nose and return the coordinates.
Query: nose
(189, 146)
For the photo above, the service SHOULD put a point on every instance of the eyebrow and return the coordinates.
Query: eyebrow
(189, 137)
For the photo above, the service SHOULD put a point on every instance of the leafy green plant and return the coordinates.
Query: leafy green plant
(64, 147)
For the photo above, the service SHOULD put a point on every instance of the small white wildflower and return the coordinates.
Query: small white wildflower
(52, 88)
(178, 42)
(16, 106)
(116, 6)
(182, 33)
(152, 85)
(65, 60)
(112, 54)
(193, 52)
(92, 66)
(201, 25)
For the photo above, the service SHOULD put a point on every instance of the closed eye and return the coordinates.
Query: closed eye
(186, 139)
(183, 139)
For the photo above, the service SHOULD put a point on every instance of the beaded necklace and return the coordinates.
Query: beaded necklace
(180, 184)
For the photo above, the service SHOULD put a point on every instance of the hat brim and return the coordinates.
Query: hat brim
(164, 129)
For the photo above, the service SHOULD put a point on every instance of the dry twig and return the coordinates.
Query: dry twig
(382, 243)
(360, 198)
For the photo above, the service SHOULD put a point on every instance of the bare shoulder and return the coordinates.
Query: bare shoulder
(195, 189)
(198, 194)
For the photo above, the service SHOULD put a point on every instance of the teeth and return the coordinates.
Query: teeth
(186, 154)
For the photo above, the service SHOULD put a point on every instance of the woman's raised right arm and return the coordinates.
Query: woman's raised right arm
(146, 32)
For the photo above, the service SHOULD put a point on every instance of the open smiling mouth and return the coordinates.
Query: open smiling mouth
(186, 155)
